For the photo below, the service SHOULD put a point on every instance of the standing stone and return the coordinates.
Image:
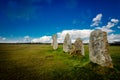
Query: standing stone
(54, 44)
(67, 45)
(98, 48)
(78, 48)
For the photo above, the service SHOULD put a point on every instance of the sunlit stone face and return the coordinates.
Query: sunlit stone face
(54, 44)
(67, 45)
(78, 47)
(98, 48)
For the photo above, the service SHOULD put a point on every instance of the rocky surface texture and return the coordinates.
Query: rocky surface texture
(67, 45)
(54, 44)
(78, 48)
(98, 49)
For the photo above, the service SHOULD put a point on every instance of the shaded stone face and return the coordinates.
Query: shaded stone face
(98, 48)
(54, 44)
(67, 45)
(78, 47)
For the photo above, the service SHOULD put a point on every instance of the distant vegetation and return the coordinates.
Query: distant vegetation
(41, 62)
(114, 43)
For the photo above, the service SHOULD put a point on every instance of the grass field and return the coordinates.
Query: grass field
(40, 62)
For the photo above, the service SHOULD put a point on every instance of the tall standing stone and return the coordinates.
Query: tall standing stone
(67, 45)
(98, 48)
(78, 48)
(54, 44)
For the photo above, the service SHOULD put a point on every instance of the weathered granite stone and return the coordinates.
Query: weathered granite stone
(54, 44)
(98, 48)
(67, 45)
(78, 48)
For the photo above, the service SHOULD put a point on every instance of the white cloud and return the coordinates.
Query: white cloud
(97, 20)
(114, 20)
(113, 37)
(2, 38)
(84, 34)
(98, 17)
(108, 30)
(27, 39)
(43, 39)
(109, 25)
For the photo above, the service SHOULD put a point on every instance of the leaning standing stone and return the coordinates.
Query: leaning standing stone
(78, 48)
(98, 48)
(54, 44)
(67, 45)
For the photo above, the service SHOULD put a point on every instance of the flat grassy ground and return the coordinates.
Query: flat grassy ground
(40, 62)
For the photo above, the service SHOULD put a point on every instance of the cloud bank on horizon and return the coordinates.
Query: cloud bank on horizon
(75, 33)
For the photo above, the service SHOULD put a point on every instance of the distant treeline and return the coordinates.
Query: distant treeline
(115, 43)
(27, 43)
(34, 43)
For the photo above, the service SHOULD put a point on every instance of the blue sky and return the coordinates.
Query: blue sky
(38, 20)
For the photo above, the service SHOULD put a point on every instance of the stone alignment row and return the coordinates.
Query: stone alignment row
(98, 47)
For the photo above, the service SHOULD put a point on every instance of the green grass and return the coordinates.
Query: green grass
(41, 62)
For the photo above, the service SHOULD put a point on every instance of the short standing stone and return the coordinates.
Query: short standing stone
(67, 45)
(78, 48)
(98, 48)
(54, 44)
